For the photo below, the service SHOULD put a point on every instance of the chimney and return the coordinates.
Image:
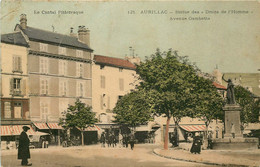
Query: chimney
(83, 35)
(72, 33)
(23, 21)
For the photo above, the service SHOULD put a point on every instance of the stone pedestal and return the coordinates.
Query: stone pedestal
(232, 115)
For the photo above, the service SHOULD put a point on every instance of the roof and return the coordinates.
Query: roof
(218, 86)
(14, 38)
(112, 61)
(53, 37)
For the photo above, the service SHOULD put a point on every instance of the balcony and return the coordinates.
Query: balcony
(17, 93)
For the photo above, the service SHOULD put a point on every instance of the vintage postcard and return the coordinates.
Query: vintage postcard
(130, 83)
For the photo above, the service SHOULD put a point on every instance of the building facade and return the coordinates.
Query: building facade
(54, 71)
(112, 79)
(14, 80)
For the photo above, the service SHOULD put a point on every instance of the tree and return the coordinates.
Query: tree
(209, 103)
(250, 106)
(132, 110)
(80, 116)
(169, 80)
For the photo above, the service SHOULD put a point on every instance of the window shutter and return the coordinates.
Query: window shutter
(14, 63)
(23, 87)
(11, 86)
(19, 63)
(47, 86)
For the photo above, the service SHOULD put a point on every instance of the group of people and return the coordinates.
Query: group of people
(111, 140)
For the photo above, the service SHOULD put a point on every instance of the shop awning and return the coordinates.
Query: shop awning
(41, 125)
(193, 128)
(15, 130)
(54, 126)
(91, 128)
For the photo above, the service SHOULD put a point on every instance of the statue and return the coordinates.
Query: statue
(230, 91)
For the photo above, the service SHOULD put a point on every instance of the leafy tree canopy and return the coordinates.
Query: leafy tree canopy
(78, 115)
(209, 103)
(169, 80)
(250, 106)
(132, 110)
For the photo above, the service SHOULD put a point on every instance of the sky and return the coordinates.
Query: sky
(228, 40)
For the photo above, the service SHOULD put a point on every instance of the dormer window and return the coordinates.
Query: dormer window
(62, 50)
(43, 47)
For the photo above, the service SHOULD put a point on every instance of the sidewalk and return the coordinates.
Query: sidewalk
(214, 157)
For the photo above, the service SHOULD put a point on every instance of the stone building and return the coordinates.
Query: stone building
(58, 72)
(112, 79)
(14, 85)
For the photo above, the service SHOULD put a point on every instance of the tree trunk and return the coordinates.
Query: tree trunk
(177, 133)
(205, 142)
(166, 136)
(82, 137)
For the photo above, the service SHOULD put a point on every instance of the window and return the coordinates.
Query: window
(44, 65)
(63, 88)
(43, 47)
(103, 81)
(7, 110)
(80, 89)
(44, 86)
(80, 70)
(17, 64)
(44, 111)
(63, 67)
(17, 110)
(79, 53)
(121, 84)
(62, 50)
(16, 86)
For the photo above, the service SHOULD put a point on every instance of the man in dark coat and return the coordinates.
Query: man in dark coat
(196, 145)
(23, 148)
(132, 141)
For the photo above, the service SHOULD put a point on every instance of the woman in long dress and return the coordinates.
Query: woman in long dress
(196, 145)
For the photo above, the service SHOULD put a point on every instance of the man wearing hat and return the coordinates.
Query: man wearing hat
(23, 148)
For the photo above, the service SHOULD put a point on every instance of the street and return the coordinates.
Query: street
(94, 156)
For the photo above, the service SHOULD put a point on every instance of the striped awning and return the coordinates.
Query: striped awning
(41, 125)
(92, 128)
(15, 130)
(193, 128)
(54, 126)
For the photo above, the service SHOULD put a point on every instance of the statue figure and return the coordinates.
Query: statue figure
(230, 91)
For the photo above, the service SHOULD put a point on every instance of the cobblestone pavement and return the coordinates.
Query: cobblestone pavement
(94, 156)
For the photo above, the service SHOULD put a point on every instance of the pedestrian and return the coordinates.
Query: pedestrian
(233, 130)
(23, 148)
(210, 144)
(196, 145)
(132, 141)
(120, 140)
(103, 139)
(125, 139)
